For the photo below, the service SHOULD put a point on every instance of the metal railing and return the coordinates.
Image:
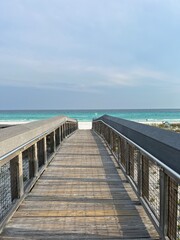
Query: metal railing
(21, 166)
(150, 159)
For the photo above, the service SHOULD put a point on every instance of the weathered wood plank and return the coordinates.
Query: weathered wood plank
(82, 195)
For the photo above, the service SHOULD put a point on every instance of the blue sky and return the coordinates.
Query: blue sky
(81, 54)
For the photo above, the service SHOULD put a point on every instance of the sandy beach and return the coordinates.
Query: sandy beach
(85, 125)
(81, 125)
(88, 125)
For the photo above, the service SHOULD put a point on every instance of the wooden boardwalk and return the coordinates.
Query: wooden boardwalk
(82, 195)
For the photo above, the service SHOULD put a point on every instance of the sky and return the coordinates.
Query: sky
(89, 54)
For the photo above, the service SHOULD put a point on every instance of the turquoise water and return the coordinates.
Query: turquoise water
(170, 115)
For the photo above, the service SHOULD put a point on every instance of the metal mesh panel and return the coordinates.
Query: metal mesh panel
(50, 144)
(26, 175)
(108, 135)
(154, 188)
(57, 136)
(145, 177)
(5, 190)
(151, 185)
(133, 163)
(172, 209)
(28, 166)
(115, 144)
(122, 152)
(40, 148)
(14, 173)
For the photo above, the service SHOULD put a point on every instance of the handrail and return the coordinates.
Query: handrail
(162, 144)
(13, 137)
(142, 153)
(161, 164)
(5, 157)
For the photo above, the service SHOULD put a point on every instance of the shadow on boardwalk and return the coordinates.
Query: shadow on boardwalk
(82, 195)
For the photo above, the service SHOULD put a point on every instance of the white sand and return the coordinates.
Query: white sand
(81, 125)
(13, 123)
(85, 125)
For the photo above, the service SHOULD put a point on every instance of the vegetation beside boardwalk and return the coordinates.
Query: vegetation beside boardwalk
(175, 127)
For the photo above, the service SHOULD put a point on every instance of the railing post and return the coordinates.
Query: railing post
(54, 141)
(20, 176)
(172, 228)
(163, 202)
(31, 162)
(111, 139)
(35, 160)
(127, 158)
(61, 133)
(45, 150)
(139, 161)
(119, 149)
(103, 131)
(145, 178)
(64, 131)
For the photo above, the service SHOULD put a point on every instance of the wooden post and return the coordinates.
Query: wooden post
(127, 158)
(31, 162)
(35, 160)
(145, 177)
(139, 160)
(54, 140)
(45, 150)
(20, 176)
(63, 126)
(119, 149)
(59, 135)
(172, 209)
(163, 202)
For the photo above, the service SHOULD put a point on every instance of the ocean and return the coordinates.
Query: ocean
(139, 115)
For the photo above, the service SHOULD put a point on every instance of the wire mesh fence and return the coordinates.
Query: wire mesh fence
(154, 188)
(40, 153)
(57, 137)
(5, 189)
(26, 172)
(50, 144)
(133, 163)
(28, 165)
(115, 147)
(122, 152)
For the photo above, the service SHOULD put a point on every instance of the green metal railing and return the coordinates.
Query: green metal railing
(156, 184)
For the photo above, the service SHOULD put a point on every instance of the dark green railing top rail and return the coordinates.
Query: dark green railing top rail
(25, 151)
(162, 144)
(150, 159)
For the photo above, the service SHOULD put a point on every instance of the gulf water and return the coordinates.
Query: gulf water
(151, 115)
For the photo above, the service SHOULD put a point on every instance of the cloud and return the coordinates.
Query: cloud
(84, 45)
(72, 74)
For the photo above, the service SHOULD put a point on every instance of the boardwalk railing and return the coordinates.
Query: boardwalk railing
(150, 158)
(25, 151)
